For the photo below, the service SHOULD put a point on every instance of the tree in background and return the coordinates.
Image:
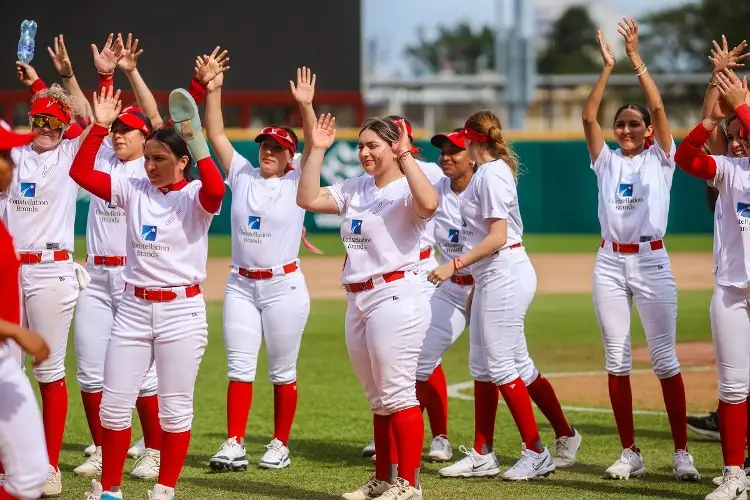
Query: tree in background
(571, 45)
(460, 48)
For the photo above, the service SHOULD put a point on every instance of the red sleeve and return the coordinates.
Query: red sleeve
(106, 81)
(743, 115)
(82, 171)
(197, 90)
(37, 86)
(212, 188)
(10, 295)
(691, 158)
(73, 132)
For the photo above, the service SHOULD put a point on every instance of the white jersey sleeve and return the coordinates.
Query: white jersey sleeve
(123, 187)
(342, 192)
(601, 161)
(497, 193)
(237, 164)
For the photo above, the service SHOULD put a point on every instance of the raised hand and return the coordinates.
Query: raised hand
(402, 145)
(60, 57)
(324, 132)
(209, 67)
(216, 83)
(722, 58)
(732, 90)
(107, 107)
(130, 53)
(304, 91)
(608, 55)
(721, 111)
(106, 60)
(26, 73)
(628, 28)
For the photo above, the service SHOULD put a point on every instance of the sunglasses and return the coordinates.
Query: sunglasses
(41, 121)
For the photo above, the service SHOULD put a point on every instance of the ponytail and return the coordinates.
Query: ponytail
(497, 143)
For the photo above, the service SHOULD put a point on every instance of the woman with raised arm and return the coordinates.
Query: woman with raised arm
(385, 214)
(632, 264)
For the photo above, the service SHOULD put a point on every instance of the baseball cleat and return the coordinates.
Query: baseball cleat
(705, 426)
(161, 493)
(566, 448)
(369, 450)
(277, 456)
(401, 490)
(531, 465)
(717, 480)
(472, 465)
(147, 467)
(683, 468)
(53, 486)
(92, 467)
(90, 449)
(373, 488)
(629, 465)
(231, 456)
(440, 449)
(732, 487)
(97, 493)
(137, 450)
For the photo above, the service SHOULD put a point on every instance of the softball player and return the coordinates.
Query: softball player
(729, 310)
(162, 314)
(632, 264)
(385, 214)
(266, 295)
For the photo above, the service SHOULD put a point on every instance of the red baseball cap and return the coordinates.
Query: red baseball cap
(10, 139)
(457, 138)
(280, 135)
(49, 107)
(133, 117)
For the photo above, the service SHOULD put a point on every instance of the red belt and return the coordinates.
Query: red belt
(36, 257)
(425, 253)
(164, 294)
(462, 280)
(264, 274)
(368, 285)
(107, 260)
(634, 247)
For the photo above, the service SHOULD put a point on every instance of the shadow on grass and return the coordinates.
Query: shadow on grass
(258, 488)
(608, 430)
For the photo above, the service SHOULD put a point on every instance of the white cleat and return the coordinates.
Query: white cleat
(683, 468)
(277, 456)
(97, 493)
(732, 487)
(161, 493)
(440, 449)
(231, 456)
(369, 450)
(90, 449)
(629, 465)
(472, 465)
(53, 486)
(372, 489)
(92, 467)
(566, 449)
(717, 480)
(401, 490)
(147, 467)
(531, 465)
(138, 449)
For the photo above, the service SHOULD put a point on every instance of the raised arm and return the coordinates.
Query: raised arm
(64, 67)
(310, 195)
(303, 93)
(129, 65)
(424, 194)
(690, 155)
(214, 116)
(591, 128)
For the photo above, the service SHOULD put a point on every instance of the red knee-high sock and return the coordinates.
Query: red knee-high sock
(423, 393)
(485, 411)
(543, 395)
(54, 413)
(408, 429)
(381, 427)
(519, 403)
(239, 399)
(91, 403)
(174, 447)
(621, 399)
(115, 446)
(148, 413)
(747, 443)
(673, 390)
(4, 495)
(284, 408)
(437, 403)
(733, 430)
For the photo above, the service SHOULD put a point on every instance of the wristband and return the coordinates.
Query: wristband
(403, 155)
(642, 71)
(68, 76)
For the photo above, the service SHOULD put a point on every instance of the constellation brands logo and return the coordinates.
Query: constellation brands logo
(453, 235)
(625, 199)
(253, 223)
(28, 189)
(148, 233)
(743, 216)
(149, 249)
(27, 202)
(356, 226)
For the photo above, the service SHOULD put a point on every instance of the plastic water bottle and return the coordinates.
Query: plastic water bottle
(26, 42)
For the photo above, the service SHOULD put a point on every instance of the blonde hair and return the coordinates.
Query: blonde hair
(486, 123)
(61, 97)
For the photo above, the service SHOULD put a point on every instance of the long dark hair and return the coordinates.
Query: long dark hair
(177, 145)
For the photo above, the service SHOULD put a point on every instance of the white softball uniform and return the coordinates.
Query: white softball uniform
(266, 295)
(167, 248)
(448, 303)
(388, 312)
(97, 303)
(40, 214)
(504, 283)
(632, 262)
(427, 261)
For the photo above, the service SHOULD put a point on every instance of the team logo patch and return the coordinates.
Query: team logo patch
(109, 206)
(148, 233)
(625, 191)
(28, 189)
(356, 226)
(453, 235)
(253, 222)
(743, 210)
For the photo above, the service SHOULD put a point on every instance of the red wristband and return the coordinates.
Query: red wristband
(37, 86)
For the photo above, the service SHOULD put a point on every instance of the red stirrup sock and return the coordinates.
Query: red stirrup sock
(733, 431)
(239, 399)
(284, 408)
(747, 442)
(437, 403)
(423, 393)
(519, 403)
(381, 425)
(174, 450)
(673, 390)
(54, 413)
(148, 413)
(485, 410)
(115, 446)
(408, 429)
(91, 403)
(621, 399)
(4, 495)
(543, 395)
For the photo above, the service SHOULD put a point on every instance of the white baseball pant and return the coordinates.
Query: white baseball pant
(425, 266)
(49, 293)
(646, 277)
(95, 313)
(503, 293)
(173, 335)
(730, 328)
(385, 327)
(274, 309)
(23, 451)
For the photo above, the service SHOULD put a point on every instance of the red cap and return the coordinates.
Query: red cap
(49, 107)
(133, 117)
(279, 135)
(473, 135)
(10, 139)
(456, 138)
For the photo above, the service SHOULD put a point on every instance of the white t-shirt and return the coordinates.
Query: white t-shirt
(41, 206)
(732, 222)
(105, 226)
(434, 173)
(167, 234)
(491, 194)
(266, 220)
(447, 221)
(380, 231)
(634, 193)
